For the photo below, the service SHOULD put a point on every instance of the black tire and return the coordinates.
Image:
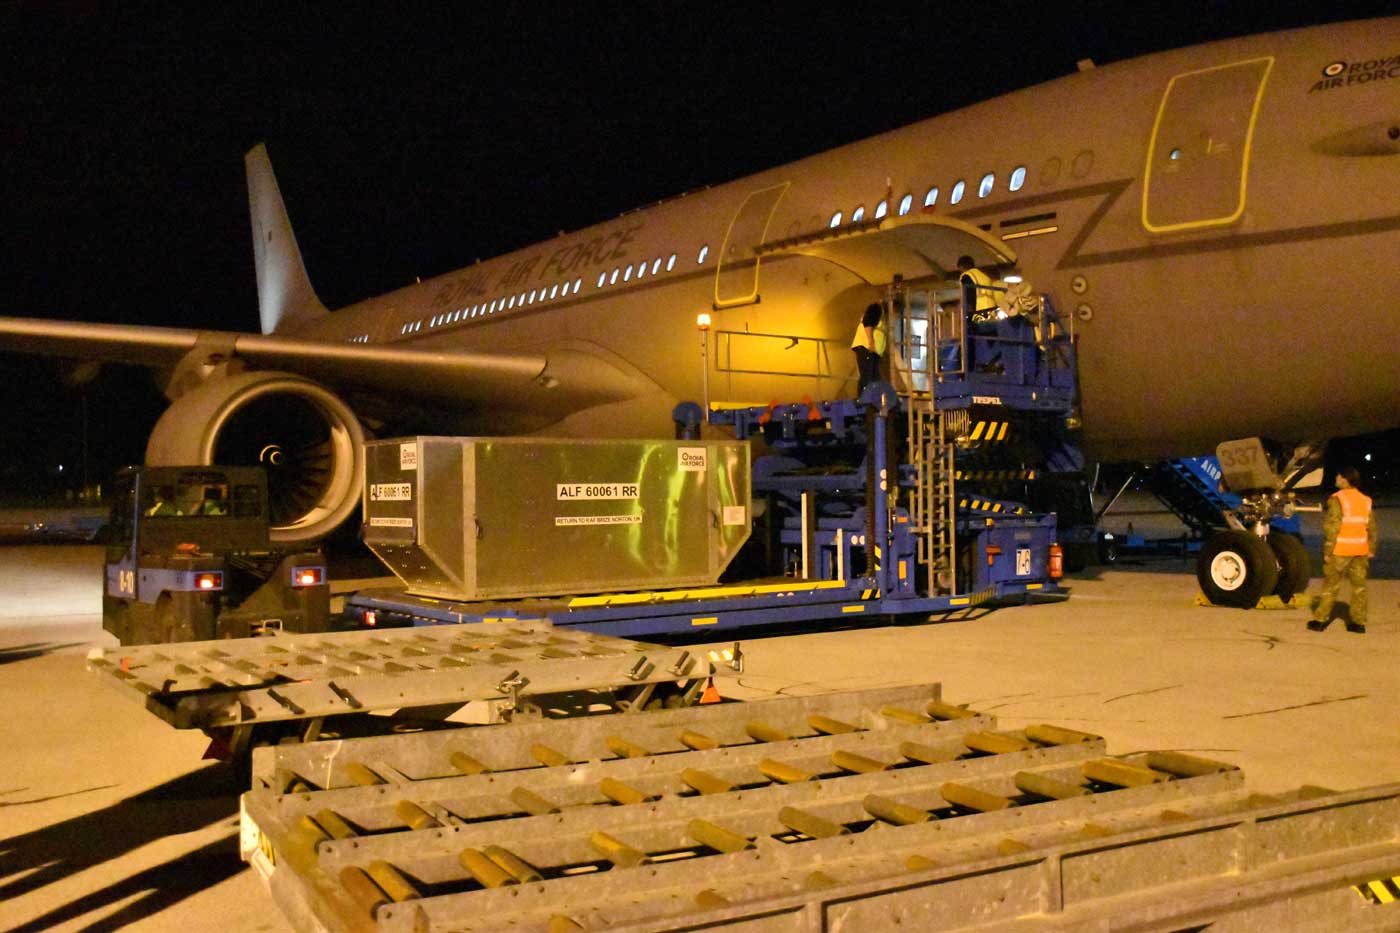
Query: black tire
(170, 629)
(1294, 564)
(1077, 556)
(1236, 568)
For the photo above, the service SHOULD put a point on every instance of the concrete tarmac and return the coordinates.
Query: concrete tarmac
(109, 819)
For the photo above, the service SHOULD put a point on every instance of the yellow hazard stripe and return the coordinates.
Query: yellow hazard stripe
(1001, 435)
(716, 592)
(1379, 891)
(977, 431)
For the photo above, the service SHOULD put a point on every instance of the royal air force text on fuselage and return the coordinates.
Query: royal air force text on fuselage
(564, 262)
(1348, 74)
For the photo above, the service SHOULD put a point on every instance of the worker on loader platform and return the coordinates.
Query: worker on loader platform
(1350, 539)
(981, 305)
(868, 346)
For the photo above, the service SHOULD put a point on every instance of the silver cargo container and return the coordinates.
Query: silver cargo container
(497, 518)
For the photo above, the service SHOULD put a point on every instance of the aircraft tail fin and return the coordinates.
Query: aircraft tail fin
(285, 295)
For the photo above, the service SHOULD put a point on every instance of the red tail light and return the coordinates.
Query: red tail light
(209, 581)
(1057, 562)
(308, 576)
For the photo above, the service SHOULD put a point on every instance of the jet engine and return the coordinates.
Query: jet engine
(307, 438)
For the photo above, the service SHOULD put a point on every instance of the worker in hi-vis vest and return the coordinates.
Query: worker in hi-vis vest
(869, 347)
(1349, 543)
(981, 305)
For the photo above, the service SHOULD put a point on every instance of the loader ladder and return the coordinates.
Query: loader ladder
(918, 333)
(932, 505)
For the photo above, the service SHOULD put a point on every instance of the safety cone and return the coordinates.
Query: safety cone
(711, 694)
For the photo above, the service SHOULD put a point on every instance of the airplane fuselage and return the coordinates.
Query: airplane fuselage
(1222, 222)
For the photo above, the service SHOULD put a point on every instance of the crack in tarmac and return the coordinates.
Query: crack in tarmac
(71, 793)
(1143, 693)
(1284, 709)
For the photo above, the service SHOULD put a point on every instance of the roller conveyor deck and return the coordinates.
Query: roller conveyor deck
(215, 684)
(848, 811)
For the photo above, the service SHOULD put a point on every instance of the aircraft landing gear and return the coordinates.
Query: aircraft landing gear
(1237, 568)
(1294, 564)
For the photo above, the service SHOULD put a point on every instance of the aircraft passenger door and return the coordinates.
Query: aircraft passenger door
(1198, 159)
(736, 278)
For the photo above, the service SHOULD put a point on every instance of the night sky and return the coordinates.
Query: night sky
(410, 144)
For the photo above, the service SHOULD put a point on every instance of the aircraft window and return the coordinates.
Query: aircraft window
(613, 278)
(905, 203)
(533, 292)
(555, 290)
(835, 220)
(492, 309)
(578, 283)
(522, 299)
(957, 194)
(858, 214)
(671, 262)
(641, 268)
(986, 185)
(627, 274)
(881, 209)
(1174, 155)
(512, 302)
(602, 278)
(1018, 178)
(931, 198)
(417, 325)
(704, 251)
(656, 266)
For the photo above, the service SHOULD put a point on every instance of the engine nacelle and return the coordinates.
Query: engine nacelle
(309, 441)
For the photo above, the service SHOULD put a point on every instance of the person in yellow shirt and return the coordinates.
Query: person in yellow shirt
(981, 304)
(869, 347)
(1349, 542)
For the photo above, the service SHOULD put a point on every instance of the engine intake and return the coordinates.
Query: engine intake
(306, 437)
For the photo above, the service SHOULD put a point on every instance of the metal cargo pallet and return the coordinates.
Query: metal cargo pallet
(238, 682)
(419, 757)
(854, 811)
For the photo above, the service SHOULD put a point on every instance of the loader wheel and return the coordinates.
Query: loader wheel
(1236, 568)
(169, 630)
(1294, 564)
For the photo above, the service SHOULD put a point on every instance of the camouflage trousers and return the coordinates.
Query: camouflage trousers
(1353, 570)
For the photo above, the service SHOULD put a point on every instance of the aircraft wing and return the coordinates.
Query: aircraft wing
(558, 381)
